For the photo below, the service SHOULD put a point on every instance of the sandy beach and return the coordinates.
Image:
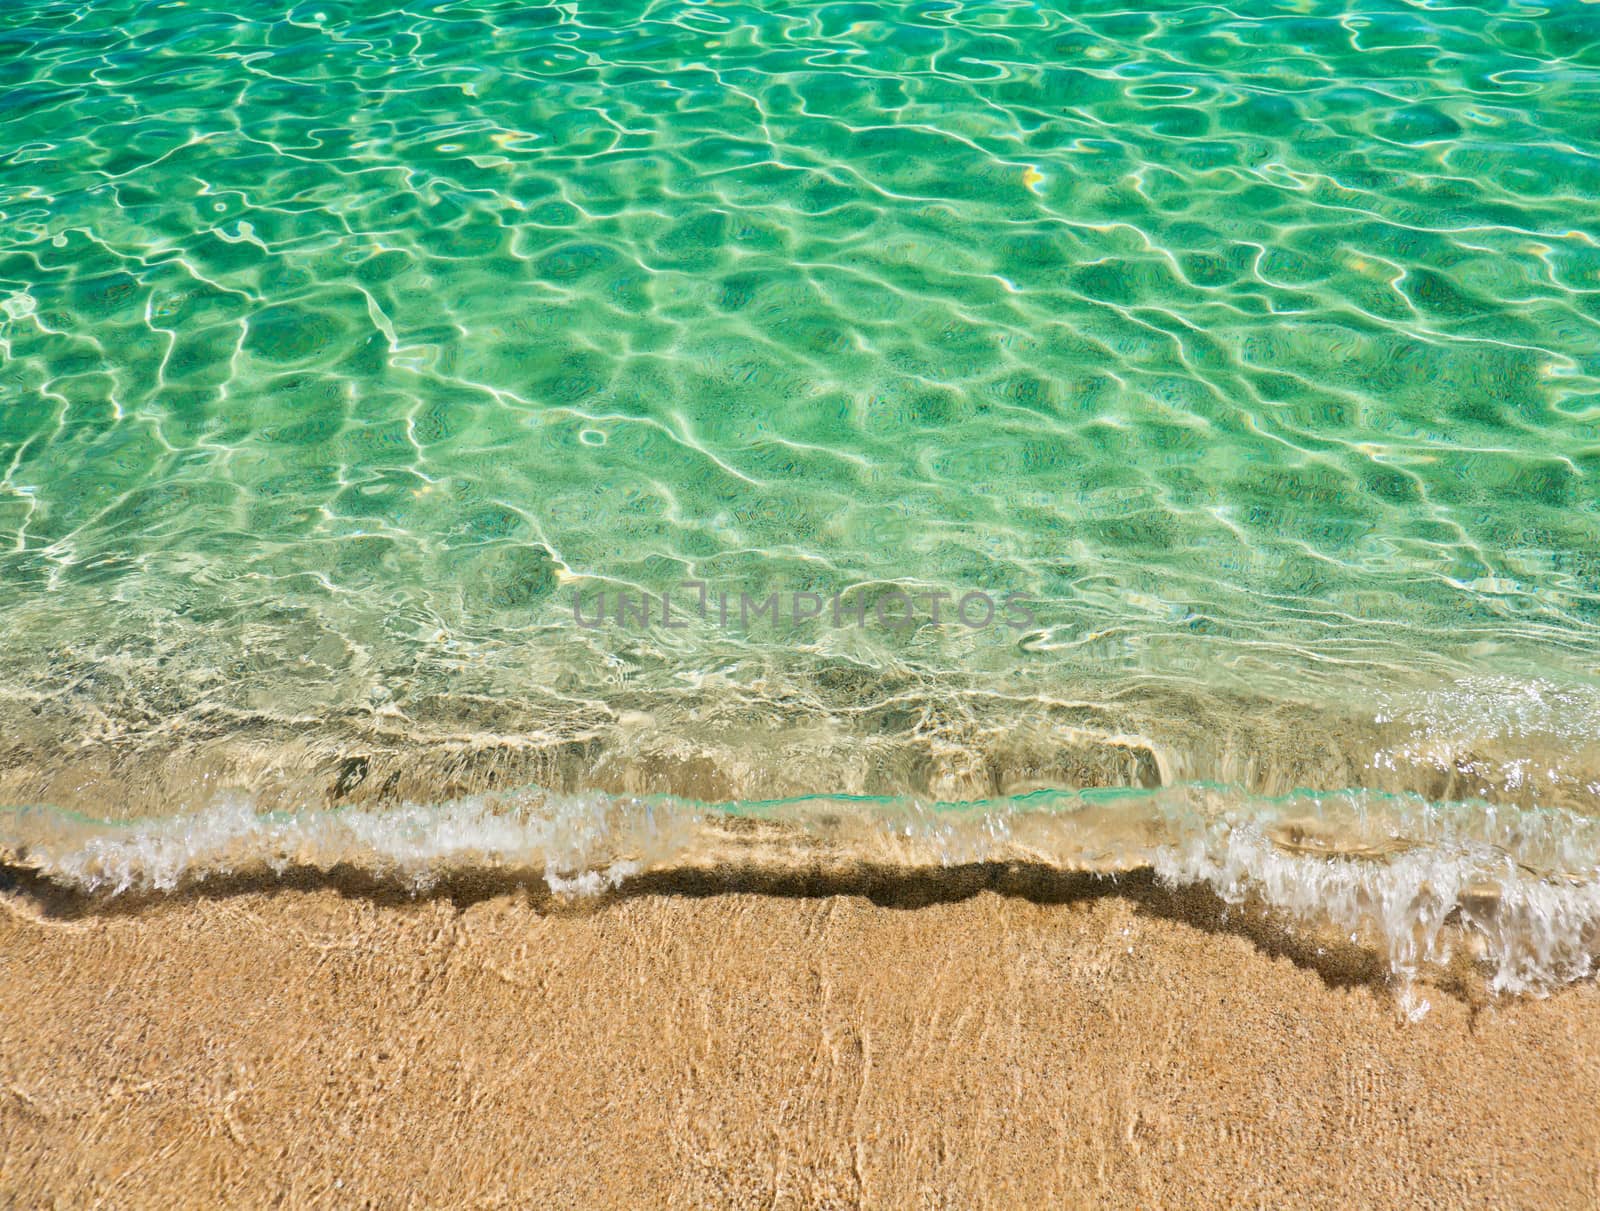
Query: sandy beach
(958, 1040)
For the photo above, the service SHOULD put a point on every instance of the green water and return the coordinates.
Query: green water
(1257, 347)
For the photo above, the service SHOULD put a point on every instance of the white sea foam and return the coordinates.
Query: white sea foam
(1530, 930)
(572, 843)
(1518, 889)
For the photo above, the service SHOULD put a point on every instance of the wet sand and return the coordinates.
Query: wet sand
(943, 1044)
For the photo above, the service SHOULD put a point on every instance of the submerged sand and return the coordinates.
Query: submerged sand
(942, 1045)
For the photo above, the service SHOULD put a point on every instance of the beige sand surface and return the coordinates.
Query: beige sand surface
(940, 1044)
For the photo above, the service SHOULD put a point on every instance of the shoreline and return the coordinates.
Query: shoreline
(962, 1042)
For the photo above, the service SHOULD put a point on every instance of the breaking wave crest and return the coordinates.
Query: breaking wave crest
(1513, 891)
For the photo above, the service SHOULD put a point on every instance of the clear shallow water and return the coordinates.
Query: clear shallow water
(1257, 347)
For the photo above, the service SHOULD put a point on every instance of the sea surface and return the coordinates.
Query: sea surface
(604, 437)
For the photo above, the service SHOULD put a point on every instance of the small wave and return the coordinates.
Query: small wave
(1514, 890)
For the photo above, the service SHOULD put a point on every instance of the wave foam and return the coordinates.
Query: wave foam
(1515, 890)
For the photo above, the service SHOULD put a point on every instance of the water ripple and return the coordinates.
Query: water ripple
(1258, 345)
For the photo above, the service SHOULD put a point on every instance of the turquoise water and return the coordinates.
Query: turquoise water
(1252, 354)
